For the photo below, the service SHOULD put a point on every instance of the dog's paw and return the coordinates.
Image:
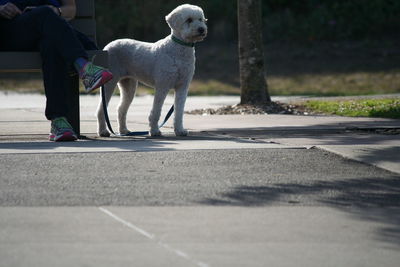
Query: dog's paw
(181, 132)
(104, 133)
(124, 131)
(156, 132)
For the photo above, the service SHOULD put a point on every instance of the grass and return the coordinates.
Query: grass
(341, 84)
(344, 84)
(383, 108)
(212, 88)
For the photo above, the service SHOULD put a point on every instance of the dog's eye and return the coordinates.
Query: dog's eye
(189, 20)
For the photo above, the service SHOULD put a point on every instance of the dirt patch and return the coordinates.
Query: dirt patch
(247, 109)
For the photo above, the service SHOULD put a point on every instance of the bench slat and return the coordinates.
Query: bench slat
(21, 61)
(31, 62)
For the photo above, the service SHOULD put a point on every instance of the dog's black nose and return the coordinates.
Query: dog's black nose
(201, 30)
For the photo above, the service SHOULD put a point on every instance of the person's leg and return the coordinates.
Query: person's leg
(41, 29)
(24, 32)
(42, 24)
(55, 76)
(60, 45)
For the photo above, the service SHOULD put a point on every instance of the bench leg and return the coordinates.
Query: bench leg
(73, 103)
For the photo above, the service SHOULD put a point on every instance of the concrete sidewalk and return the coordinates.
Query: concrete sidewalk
(22, 120)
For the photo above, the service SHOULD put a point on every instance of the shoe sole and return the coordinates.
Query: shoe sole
(67, 136)
(105, 77)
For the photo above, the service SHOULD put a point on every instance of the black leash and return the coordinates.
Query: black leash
(103, 100)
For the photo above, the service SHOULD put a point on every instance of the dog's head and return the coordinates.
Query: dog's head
(188, 23)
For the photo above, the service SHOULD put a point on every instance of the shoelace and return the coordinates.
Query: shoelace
(91, 69)
(61, 123)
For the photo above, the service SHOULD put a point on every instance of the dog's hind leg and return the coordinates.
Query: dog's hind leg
(101, 122)
(159, 98)
(127, 88)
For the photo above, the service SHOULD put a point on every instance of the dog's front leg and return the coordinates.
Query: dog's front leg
(159, 98)
(180, 100)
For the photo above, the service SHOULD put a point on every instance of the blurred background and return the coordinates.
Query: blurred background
(312, 47)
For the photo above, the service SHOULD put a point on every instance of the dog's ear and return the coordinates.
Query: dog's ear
(173, 19)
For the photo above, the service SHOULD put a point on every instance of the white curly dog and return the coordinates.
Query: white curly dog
(166, 64)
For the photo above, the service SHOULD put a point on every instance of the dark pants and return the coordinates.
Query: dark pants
(59, 44)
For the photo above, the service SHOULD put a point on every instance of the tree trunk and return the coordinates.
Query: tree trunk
(253, 85)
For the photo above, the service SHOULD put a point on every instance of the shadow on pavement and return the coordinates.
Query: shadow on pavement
(385, 145)
(373, 199)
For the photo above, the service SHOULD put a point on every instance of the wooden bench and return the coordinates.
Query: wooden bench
(31, 61)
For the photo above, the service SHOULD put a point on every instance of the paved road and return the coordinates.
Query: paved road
(240, 191)
(236, 207)
(242, 177)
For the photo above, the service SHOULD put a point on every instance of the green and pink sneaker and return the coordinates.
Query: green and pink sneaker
(61, 130)
(94, 76)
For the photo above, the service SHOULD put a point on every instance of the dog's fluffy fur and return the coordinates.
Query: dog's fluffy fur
(163, 65)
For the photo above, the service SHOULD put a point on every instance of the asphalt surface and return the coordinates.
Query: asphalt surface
(245, 177)
(239, 191)
(235, 207)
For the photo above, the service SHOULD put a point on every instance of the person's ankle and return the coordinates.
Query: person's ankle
(80, 64)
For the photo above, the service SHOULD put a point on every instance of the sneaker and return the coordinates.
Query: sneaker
(61, 130)
(94, 76)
